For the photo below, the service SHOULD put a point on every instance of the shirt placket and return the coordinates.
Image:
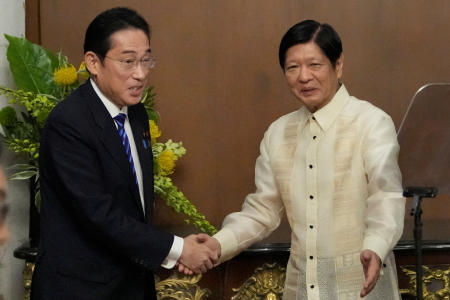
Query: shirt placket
(311, 212)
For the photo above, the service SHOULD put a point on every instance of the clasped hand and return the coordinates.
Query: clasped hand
(200, 253)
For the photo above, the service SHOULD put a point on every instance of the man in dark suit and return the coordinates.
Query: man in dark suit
(97, 240)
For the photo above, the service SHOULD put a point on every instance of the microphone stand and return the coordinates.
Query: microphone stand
(417, 193)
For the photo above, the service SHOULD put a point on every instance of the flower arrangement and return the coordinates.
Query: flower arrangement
(43, 79)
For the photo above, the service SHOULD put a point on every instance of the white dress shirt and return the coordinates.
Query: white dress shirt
(113, 109)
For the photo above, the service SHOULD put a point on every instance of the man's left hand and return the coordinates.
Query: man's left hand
(371, 265)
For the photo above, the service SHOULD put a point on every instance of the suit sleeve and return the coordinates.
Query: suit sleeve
(74, 165)
(385, 203)
(261, 212)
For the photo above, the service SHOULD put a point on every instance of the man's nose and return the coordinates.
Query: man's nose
(304, 75)
(140, 72)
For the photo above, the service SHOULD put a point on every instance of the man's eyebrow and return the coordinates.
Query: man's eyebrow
(134, 52)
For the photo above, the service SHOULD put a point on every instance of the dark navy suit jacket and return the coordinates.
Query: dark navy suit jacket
(96, 242)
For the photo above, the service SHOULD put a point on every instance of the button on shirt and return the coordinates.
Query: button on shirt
(177, 246)
(335, 173)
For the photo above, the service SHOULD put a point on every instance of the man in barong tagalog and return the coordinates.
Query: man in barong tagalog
(332, 166)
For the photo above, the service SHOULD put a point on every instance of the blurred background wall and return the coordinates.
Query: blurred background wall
(219, 84)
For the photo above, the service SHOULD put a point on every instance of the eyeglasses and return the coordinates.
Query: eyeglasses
(131, 64)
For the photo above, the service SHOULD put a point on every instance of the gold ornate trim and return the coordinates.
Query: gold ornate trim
(266, 283)
(27, 276)
(180, 287)
(174, 287)
(436, 283)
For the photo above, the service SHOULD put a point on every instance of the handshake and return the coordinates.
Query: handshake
(200, 254)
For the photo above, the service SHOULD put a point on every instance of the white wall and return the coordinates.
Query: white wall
(12, 21)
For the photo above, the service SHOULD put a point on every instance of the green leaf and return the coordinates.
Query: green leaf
(22, 175)
(32, 66)
(22, 167)
(153, 115)
(8, 116)
(148, 99)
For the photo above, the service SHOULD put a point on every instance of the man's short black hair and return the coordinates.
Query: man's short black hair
(323, 35)
(98, 33)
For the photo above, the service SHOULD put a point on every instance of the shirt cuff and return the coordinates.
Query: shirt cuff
(174, 253)
(228, 244)
(377, 245)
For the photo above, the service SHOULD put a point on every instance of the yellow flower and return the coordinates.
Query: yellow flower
(166, 162)
(65, 75)
(82, 71)
(154, 131)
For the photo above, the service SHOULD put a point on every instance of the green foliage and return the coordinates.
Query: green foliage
(32, 68)
(31, 65)
(23, 171)
(22, 136)
(25, 146)
(164, 186)
(26, 172)
(8, 117)
(175, 199)
(38, 106)
(148, 99)
(177, 148)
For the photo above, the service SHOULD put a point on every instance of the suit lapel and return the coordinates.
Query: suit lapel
(143, 148)
(108, 135)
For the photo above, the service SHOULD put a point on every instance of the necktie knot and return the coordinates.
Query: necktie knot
(120, 119)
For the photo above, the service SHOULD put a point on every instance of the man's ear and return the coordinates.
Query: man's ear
(340, 66)
(92, 63)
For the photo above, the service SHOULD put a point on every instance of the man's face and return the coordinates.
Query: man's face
(311, 76)
(4, 231)
(123, 74)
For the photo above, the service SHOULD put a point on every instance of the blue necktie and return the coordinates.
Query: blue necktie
(120, 121)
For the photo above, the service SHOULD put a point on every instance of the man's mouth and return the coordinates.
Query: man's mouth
(136, 90)
(308, 91)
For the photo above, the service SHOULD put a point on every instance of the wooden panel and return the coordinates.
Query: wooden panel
(219, 84)
(32, 21)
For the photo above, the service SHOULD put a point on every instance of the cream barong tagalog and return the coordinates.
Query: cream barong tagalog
(335, 174)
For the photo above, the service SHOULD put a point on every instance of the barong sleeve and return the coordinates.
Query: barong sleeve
(385, 204)
(261, 212)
